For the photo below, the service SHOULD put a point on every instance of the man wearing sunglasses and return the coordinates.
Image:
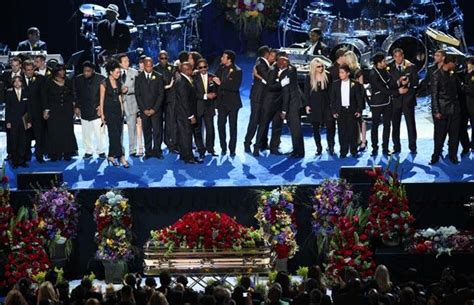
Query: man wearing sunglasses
(206, 96)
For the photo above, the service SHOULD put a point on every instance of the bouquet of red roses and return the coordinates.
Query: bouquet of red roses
(205, 230)
(349, 246)
(390, 218)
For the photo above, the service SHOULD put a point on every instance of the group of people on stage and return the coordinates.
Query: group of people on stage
(176, 104)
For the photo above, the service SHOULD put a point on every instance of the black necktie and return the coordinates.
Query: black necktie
(124, 76)
(400, 69)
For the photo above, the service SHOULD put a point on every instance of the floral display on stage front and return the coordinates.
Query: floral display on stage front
(276, 216)
(390, 218)
(205, 230)
(58, 215)
(113, 217)
(242, 12)
(443, 240)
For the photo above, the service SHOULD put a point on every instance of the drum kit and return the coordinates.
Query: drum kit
(166, 32)
(404, 30)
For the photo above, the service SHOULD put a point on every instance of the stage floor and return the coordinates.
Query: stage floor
(246, 170)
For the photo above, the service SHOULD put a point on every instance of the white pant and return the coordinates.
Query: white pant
(93, 136)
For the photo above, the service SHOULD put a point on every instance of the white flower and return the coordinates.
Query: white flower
(428, 233)
(247, 2)
(395, 216)
(110, 195)
(260, 7)
(118, 197)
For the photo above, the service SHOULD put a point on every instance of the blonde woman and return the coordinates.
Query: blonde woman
(382, 279)
(351, 59)
(47, 293)
(14, 297)
(157, 298)
(316, 91)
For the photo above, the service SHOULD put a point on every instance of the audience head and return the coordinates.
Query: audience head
(127, 294)
(88, 69)
(15, 297)
(238, 295)
(33, 35)
(150, 282)
(373, 297)
(59, 71)
(275, 293)
(24, 285)
(92, 301)
(86, 283)
(228, 58)
(165, 277)
(46, 292)
(382, 278)
(157, 298)
(15, 64)
(221, 294)
(182, 280)
(407, 296)
(316, 297)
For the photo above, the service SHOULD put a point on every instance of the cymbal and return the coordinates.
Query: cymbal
(404, 15)
(320, 4)
(92, 9)
(427, 3)
(317, 11)
(420, 16)
(389, 14)
(190, 6)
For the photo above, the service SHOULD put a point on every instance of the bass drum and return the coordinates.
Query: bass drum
(413, 48)
(351, 44)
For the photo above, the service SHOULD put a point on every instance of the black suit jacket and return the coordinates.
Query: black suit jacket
(25, 46)
(258, 87)
(87, 95)
(37, 95)
(149, 93)
(409, 98)
(355, 98)
(7, 78)
(292, 97)
(383, 87)
(206, 107)
(119, 43)
(320, 49)
(444, 92)
(14, 109)
(273, 96)
(186, 103)
(228, 94)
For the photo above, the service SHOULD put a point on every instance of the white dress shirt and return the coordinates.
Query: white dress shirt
(18, 94)
(204, 78)
(42, 71)
(345, 93)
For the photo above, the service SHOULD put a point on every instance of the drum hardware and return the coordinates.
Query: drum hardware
(321, 4)
(317, 11)
(442, 37)
(92, 10)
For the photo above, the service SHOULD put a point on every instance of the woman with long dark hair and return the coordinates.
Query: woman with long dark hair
(316, 92)
(111, 112)
(59, 113)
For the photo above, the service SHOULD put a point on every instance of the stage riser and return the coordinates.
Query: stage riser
(152, 208)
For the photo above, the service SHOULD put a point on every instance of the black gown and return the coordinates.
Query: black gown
(113, 118)
(61, 138)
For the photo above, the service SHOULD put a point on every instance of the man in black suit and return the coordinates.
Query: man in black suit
(407, 76)
(257, 92)
(437, 64)
(87, 98)
(206, 93)
(446, 109)
(339, 60)
(149, 92)
(292, 103)
(346, 107)
(315, 46)
(15, 70)
(168, 71)
(33, 43)
(41, 67)
(186, 112)
(34, 85)
(229, 79)
(384, 88)
(113, 35)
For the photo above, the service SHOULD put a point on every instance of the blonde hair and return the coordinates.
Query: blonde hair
(351, 60)
(46, 292)
(313, 72)
(382, 277)
(15, 297)
(158, 298)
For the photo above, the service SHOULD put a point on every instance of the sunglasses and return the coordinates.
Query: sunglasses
(202, 67)
(163, 58)
(319, 66)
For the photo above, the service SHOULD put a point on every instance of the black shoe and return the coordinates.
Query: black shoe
(223, 152)
(374, 153)
(232, 153)
(397, 151)
(174, 151)
(24, 165)
(434, 160)
(202, 155)
(247, 149)
(213, 153)
(454, 160)
(465, 152)
(331, 151)
(67, 158)
(148, 156)
(342, 156)
(413, 152)
(296, 156)
(319, 151)
(40, 160)
(275, 152)
(264, 147)
(159, 155)
(355, 155)
(102, 156)
(362, 146)
(256, 152)
(133, 155)
(87, 156)
(386, 152)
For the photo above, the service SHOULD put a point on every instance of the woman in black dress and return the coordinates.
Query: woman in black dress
(59, 113)
(316, 90)
(111, 110)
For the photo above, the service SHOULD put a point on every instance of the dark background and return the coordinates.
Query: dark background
(59, 22)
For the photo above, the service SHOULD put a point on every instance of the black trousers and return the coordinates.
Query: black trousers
(170, 130)
(447, 125)
(115, 131)
(39, 135)
(330, 133)
(18, 146)
(347, 131)
(294, 123)
(205, 122)
(223, 114)
(409, 114)
(467, 115)
(255, 114)
(270, 114)
(381, 114)
(153, 132)
(185, 140)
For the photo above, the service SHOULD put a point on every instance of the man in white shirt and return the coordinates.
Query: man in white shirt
(41, 67)
(346, 107)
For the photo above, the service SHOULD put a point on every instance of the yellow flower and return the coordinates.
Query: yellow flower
(41, 224)
(153, 77)
(123, 205)
(472, 79)
(109, 242)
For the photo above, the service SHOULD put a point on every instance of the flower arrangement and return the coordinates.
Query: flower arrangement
(27, 257)
(242, 12)
(330, 202)
(443, 240)
(276, 215)
(390, 218)
(205, 230)
(350, 247)
(112, 215)
(58, 213)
